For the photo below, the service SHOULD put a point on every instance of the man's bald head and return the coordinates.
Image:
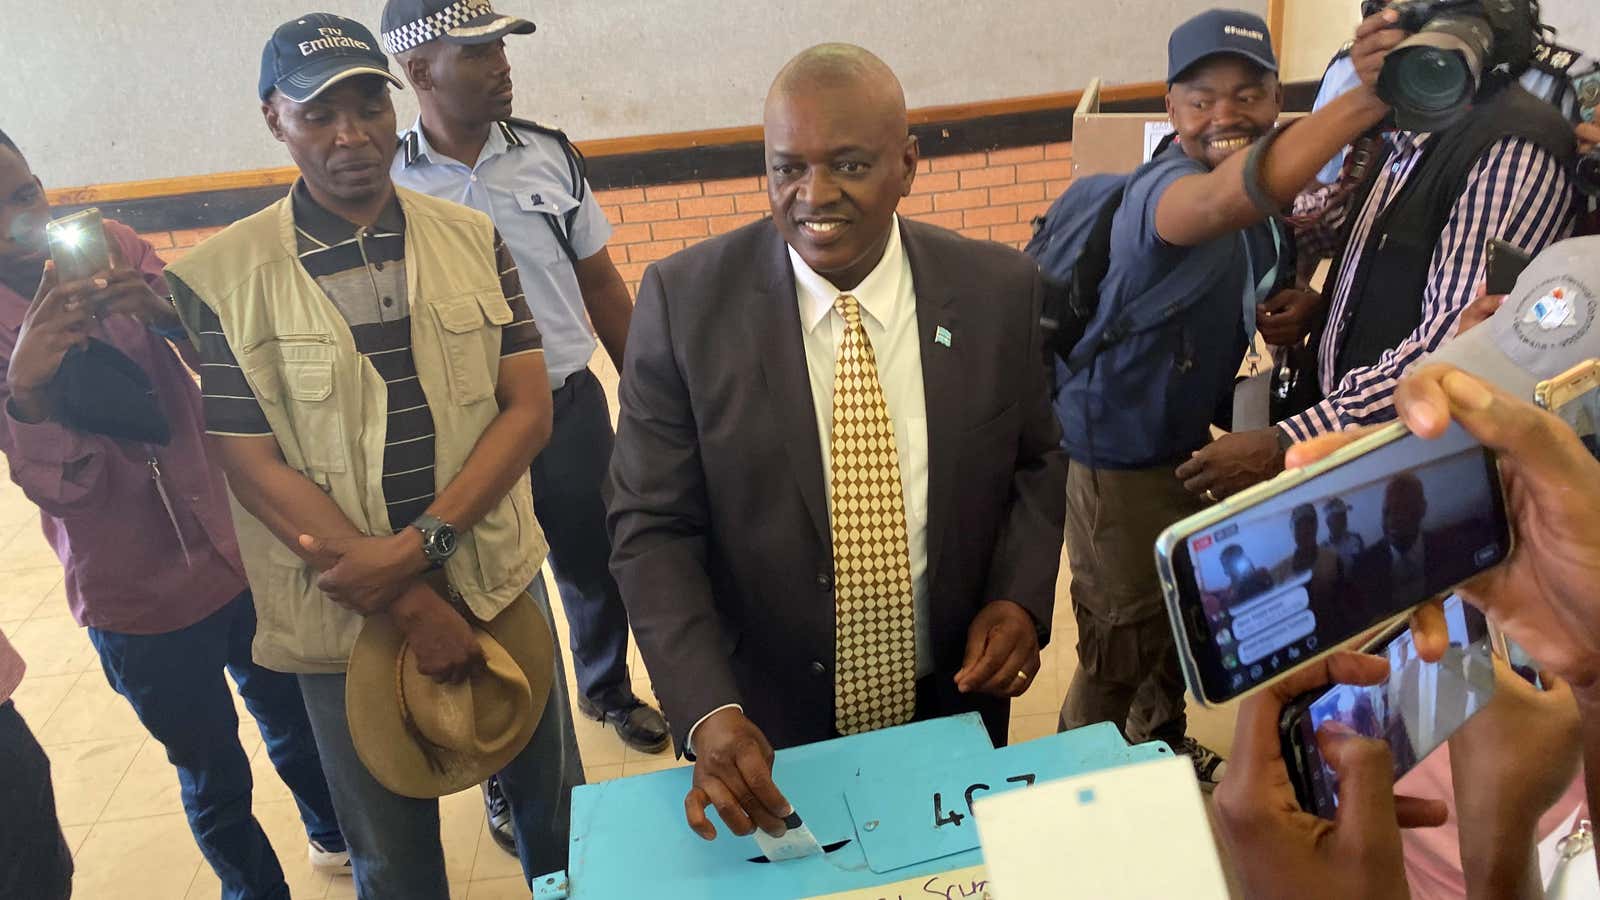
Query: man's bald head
(839, 158)
(844, 69)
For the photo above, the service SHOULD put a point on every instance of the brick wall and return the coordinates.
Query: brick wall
(991, 196)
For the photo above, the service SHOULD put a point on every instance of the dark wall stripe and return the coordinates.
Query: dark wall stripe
(211, 208)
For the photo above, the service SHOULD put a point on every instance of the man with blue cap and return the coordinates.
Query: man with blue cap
(1193, 240)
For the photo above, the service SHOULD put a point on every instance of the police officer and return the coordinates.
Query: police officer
(466, 147)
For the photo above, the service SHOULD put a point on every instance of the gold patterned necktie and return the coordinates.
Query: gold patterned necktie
(875, 638)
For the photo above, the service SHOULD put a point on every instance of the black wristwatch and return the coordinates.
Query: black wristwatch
(438, 539)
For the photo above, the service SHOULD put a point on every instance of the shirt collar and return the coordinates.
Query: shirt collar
(878, 294)
(417, 148)
(1406, 142)
(329, 227)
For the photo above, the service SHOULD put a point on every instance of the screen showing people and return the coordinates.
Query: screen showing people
(1420, 705)
(1312, 567)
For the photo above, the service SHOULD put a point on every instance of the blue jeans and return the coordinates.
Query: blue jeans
(394, 840)
(567, 475)
(35, 863)
(175, 683)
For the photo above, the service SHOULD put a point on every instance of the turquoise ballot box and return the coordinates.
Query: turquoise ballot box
(889, 808)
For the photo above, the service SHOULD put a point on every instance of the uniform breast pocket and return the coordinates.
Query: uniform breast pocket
(297, 373)
(469, 332)
(546, 215)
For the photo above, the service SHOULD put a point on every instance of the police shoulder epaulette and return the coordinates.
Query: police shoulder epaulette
(1554, 58)
(578, 168)
(409, 145)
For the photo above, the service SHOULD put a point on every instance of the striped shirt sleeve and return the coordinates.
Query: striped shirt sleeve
(1517, 192)
(521, 335)
(230, 405)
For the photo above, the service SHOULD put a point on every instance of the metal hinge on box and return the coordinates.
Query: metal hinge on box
(550, 887)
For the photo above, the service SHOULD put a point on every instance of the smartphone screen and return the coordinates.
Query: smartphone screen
(78, 245)
(1304, 570)
(1415, 711)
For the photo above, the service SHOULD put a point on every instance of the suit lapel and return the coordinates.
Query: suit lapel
(773, 321)
(941, 378)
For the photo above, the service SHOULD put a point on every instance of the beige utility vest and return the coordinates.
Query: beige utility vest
(328, 408)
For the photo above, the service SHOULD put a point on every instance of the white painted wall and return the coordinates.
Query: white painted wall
(97, 91)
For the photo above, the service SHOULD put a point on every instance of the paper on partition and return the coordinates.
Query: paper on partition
(1129, 833)
(1153, 133)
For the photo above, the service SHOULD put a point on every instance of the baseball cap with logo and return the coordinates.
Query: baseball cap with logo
(310, 54)
(1545, 327)
(1216, 32)
(412, 23)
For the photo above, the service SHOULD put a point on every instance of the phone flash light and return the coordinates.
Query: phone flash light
(71, 236)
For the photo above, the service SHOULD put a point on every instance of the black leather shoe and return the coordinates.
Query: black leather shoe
(639, 726)
(499, 813)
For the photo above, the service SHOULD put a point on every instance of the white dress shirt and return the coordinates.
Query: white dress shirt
(888, 302)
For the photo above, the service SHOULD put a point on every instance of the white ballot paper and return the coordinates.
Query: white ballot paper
(1128, 833)
(796, 843)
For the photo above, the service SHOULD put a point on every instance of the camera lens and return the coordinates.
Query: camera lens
(1429, 81)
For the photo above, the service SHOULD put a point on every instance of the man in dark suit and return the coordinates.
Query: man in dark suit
(1410, 564)
(837, 492)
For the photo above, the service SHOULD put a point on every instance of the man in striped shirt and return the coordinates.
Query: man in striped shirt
(1414, 256)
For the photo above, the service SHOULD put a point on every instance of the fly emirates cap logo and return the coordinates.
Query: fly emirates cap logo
(332, 38)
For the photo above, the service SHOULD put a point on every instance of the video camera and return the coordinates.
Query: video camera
(1432, 78)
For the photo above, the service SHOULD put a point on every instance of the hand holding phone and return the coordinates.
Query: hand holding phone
(1505, 264)
(1272, 843)
(57, 321)
(1266, 581)
(1414, 710)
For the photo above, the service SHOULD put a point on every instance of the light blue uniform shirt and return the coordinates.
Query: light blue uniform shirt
(523, 182)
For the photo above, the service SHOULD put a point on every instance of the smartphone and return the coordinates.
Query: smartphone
(1415, 711)
(1263, 582)
(1574, 395)
(1505, 264)
(78, 244)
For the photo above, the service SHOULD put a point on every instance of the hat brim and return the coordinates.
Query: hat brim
(491, 26)
(377, 726)
(1266, 63)
(310, 82)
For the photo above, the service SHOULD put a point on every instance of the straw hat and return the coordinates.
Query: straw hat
(424, 739)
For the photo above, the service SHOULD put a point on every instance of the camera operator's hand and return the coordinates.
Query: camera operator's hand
(1277, 849)
(56, 321)
(1285, 318)
(1588, 137)
(1375, 37)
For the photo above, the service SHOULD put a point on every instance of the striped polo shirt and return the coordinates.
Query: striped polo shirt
(363, 272)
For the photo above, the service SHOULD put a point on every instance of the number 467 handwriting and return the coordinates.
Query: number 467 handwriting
(942, 818)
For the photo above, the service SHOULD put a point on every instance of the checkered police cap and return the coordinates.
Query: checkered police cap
(412, 23)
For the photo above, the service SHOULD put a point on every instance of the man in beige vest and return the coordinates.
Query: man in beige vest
(375, 387)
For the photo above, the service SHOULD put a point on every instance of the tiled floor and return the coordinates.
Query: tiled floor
(118, 797)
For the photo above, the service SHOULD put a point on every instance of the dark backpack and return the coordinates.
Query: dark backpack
(1072, 246)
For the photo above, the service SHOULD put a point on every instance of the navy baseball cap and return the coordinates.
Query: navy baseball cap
(412, 23)
(305, 57)
(1219, 31)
